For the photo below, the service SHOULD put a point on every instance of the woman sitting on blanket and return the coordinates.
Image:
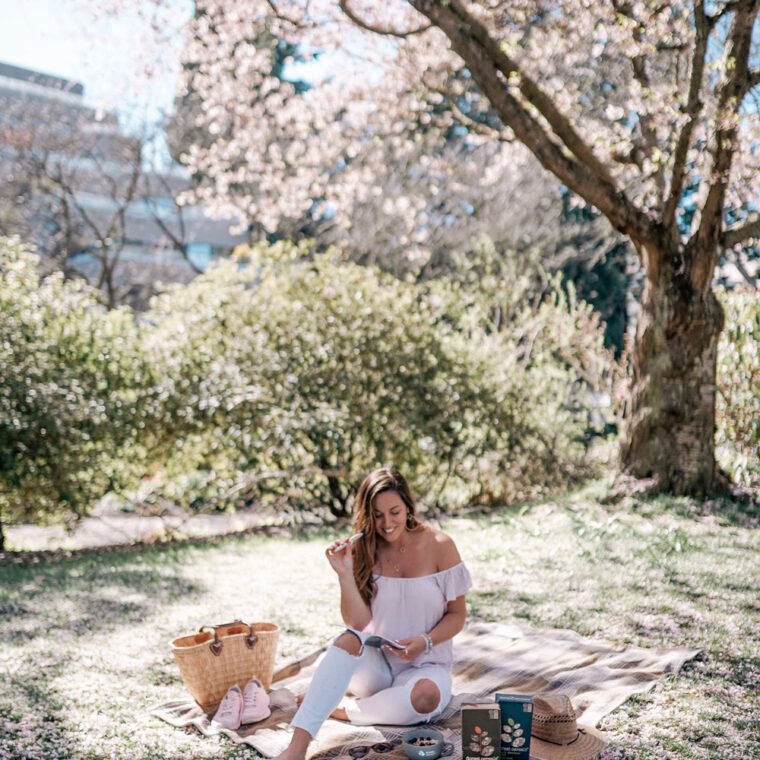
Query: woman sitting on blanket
(405, 581)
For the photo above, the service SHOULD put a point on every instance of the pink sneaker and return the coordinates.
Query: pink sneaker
(255, 702)
(230, 708)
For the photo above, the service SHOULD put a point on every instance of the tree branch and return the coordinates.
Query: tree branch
(69, 191)
(283, 17)
(582, 172)
(693, 108)
(638, 63)
(749, 279)
(753, 80)
(343, 4)
(468, 24)
(739, 233)
(674, 47)
(708, 234)
(728, 7)
(179, 242)
(115, 227)
(468, 121)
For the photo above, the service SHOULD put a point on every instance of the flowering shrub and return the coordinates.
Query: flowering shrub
(737, 433)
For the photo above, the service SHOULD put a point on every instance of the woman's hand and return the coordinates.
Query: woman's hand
(414, 647)
(340, 557)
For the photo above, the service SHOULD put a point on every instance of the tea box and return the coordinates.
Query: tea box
(481, 723)
(516, 712)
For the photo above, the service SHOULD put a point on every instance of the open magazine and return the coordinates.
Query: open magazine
(376, 640)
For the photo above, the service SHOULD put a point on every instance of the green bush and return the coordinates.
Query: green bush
(311, 371)
(283, 377)
(70, 380)
(543, 317)
(556, 342)
(737, 433)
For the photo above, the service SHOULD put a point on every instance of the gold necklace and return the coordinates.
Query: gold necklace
(397, 566)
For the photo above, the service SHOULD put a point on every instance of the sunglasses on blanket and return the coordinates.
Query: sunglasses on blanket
(380, 748)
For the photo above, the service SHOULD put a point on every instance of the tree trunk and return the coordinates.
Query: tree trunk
(670, 422)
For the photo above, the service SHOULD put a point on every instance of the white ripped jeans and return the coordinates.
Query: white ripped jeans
(380, 696)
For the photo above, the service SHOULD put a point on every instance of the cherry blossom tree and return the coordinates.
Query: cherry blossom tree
(646, 109)
(417, 211)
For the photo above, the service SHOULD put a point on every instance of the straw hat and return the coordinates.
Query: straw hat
(555, 735)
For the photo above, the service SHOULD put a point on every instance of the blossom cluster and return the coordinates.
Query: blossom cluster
(619, 73)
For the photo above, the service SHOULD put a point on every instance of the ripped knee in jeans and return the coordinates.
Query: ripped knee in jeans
(349, 642)
(425, 696)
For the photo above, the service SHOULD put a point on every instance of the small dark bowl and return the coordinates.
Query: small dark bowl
(429, 752)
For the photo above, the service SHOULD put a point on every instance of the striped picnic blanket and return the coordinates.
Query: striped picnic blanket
(597, 675)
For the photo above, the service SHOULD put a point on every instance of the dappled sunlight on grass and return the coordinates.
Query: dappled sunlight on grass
(645, 575)
(85, 642)
(94, 635)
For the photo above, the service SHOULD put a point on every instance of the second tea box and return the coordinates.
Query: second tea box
(516, 711)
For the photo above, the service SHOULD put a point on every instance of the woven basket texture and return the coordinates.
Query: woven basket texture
(208, 676)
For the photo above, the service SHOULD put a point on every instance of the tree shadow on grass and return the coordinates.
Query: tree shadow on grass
(33, 714)
(740, 513)
(503, 604)
(37, 720)
(85, 596)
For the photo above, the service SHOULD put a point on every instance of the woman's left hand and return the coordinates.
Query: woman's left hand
(414, 648)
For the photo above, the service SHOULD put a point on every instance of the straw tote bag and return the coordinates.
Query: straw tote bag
(235, 652)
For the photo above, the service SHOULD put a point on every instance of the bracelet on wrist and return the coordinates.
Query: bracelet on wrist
(428, 643)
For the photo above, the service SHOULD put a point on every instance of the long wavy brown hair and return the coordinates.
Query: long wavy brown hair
(365, 549)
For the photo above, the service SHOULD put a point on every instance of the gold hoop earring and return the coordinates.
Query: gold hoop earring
(410, 520)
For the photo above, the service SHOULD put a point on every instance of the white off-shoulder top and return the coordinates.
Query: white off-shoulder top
(406, 607)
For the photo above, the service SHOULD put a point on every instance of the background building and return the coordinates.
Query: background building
(81, 190)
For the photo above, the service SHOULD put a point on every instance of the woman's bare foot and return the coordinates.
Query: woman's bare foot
(296, 750)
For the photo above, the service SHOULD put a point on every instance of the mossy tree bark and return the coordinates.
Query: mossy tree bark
(670, 420)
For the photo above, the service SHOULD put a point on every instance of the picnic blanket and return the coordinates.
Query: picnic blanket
(489, 657)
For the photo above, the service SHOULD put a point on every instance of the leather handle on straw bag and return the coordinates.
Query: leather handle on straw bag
(216, 645)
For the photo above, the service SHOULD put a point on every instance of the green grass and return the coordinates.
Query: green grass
(84, 642)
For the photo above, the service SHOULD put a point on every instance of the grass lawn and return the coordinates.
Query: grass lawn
(84, 642)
